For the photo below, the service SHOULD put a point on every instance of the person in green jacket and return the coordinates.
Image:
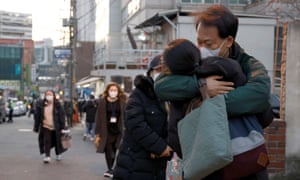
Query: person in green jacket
(216, 33)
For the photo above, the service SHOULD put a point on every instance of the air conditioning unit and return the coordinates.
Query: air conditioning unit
(66, 22)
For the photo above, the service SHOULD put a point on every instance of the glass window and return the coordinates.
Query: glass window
(186, 1)
(209, 1)
(233, 1)
(196, 1)
(243, 2)
(278, 51)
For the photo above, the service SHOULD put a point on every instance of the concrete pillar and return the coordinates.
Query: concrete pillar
(292, 101)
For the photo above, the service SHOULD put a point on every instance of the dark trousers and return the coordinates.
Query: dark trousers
(49, 141)
(69, 119)
(10, 115)
(110, 150)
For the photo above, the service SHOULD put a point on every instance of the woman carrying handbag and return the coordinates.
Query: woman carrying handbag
(49, 122)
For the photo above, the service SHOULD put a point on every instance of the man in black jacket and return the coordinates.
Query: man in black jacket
(90, 108)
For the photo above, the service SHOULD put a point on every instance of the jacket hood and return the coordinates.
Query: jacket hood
(146, 85)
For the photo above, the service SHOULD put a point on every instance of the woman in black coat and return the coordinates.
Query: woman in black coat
(143, 153)
(49, 121)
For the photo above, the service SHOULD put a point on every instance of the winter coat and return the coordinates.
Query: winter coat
(145, 133)
(59, 124)
(250, 98)
(101, 123)
(255, 92)
(90, 108)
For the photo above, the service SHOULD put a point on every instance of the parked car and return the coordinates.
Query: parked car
(2, 109)
(19, 108)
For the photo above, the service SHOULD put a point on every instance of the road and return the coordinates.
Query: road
(20, 158)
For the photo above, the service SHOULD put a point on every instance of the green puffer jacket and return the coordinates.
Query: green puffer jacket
(251, 98)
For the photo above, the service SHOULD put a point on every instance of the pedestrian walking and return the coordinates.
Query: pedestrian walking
(69, 110)
(11, 105)
(90, 108)
(49, 124)
(32, 107)
(75, 116)
(109, 123)
(144, 151)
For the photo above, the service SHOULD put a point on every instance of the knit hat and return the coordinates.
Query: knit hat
(154, 64)
(181, 56)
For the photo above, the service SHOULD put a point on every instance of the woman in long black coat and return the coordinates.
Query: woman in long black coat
(43, 128)
(143, 153)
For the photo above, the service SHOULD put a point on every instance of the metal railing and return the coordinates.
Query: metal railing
(125, 58)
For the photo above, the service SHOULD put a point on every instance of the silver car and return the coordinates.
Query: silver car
(19, 108)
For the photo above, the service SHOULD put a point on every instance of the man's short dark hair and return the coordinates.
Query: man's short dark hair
(221, 18)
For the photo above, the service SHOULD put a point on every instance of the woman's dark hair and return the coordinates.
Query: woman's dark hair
(120, 91)
(54, 97)
(181, 56)
(221, 18)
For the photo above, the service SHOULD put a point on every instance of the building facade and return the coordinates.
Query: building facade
(15, 25)
(16, 52)
(129, 33)
(85, 15)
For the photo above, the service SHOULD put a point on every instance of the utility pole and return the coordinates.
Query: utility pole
(73, 41)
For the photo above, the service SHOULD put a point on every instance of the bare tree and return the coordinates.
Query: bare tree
(286, 10)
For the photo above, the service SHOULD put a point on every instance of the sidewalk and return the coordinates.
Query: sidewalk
(20, 159)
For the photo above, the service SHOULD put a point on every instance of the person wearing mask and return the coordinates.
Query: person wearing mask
(90, 108)
(216, 31)
(144, 151)
(109, 123)
(49, 121)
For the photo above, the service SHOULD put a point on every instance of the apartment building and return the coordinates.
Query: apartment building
(86, 15)
(15, 25)
(129, 33)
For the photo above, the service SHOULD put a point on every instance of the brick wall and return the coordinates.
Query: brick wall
(275, 141)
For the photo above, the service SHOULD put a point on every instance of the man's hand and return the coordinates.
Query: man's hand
(167, 152)
(217, 87)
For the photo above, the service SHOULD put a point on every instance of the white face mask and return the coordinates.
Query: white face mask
(112, 94)
(155, 75)
(208, 52)
(49, 98)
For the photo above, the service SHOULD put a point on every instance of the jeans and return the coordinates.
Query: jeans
(90, 129)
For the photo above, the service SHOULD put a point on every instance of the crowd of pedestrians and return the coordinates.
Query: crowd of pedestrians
(138, 134)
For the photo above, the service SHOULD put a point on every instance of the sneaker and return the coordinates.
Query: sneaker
(58, 157)
(108, 173)
(91, 138)
(46, 160)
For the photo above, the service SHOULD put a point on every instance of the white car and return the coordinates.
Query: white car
(19, 108)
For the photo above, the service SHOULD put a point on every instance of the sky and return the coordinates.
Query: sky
(46, 16)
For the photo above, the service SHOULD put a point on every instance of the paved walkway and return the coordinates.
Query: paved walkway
(20, 159)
